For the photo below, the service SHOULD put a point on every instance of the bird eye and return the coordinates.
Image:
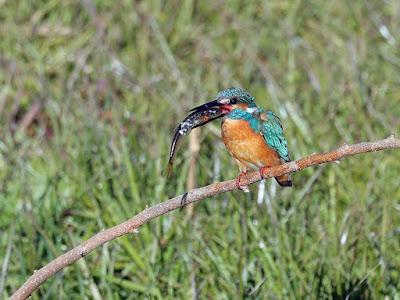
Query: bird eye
(233, 100)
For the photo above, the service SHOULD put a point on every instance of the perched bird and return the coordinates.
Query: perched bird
(254, 136)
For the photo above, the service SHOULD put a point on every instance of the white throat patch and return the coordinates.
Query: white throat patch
(252, 110)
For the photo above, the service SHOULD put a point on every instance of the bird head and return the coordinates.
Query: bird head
(230, 99)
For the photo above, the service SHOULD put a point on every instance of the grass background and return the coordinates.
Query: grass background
(90, 92)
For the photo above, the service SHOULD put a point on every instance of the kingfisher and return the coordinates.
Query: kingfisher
(254, 136)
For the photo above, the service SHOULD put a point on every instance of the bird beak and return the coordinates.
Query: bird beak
(221, 103)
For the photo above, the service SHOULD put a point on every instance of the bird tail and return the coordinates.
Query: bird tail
(284, 180)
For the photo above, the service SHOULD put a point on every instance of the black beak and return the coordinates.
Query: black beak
(207, 105)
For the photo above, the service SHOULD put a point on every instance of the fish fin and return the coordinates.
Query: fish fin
(168, 170)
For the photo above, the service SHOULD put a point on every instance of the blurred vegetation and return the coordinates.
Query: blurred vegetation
(90, 92)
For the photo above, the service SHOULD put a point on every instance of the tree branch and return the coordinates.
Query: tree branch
(132, 225)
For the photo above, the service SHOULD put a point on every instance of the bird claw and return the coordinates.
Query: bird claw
(241, 175)
(262, 170)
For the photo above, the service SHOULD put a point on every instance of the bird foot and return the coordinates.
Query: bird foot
(241, 175)
(262, 170)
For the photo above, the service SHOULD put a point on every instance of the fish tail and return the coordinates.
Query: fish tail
(168, 170)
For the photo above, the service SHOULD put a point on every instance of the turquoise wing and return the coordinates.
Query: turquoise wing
(272, 131)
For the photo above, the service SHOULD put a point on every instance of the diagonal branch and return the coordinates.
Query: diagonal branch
(132, 225)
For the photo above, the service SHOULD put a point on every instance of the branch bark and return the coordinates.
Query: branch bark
(132, 225)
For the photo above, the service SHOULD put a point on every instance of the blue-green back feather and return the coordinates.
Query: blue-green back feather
(272, 132)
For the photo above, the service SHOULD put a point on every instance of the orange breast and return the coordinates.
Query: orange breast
(248, 148)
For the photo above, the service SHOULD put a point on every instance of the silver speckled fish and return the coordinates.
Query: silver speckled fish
(198, 118)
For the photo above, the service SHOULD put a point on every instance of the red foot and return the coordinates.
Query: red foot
(262, 170)
(241, 175)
